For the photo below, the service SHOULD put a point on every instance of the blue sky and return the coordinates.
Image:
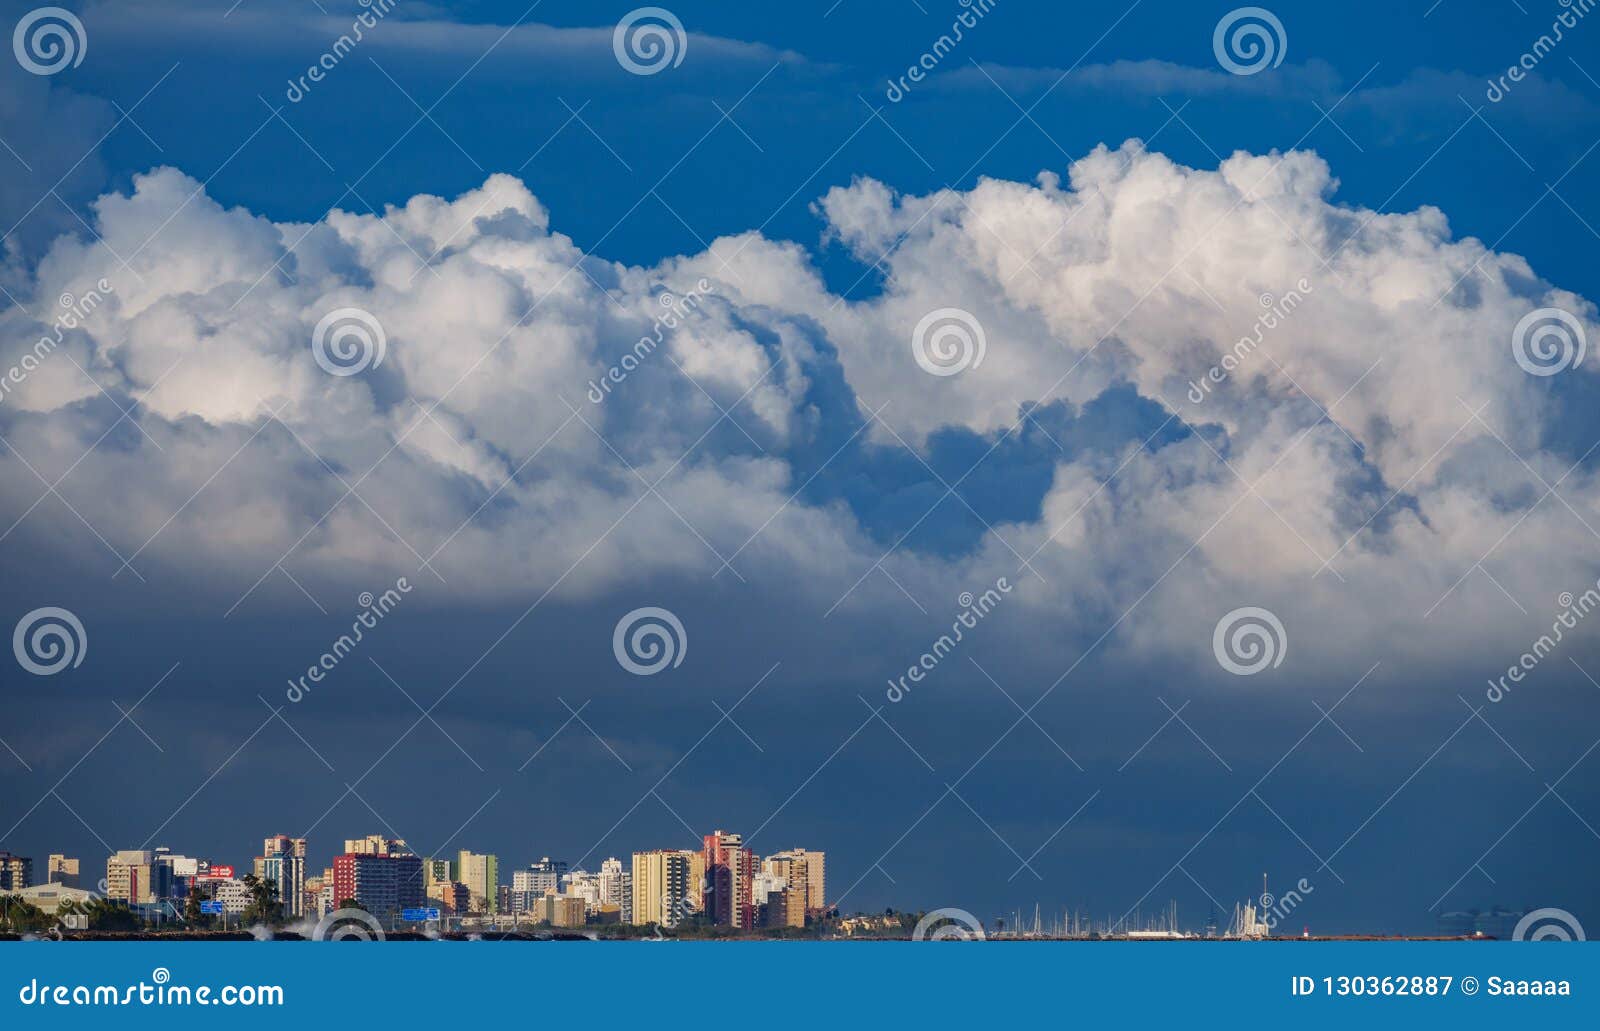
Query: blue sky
(828, 213)
(810, 108)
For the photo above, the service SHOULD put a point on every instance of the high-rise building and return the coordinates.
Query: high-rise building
(768, 893)
(283, 844)
(556, 868)
(384, 884)
(16, 872)
(452, 897)
(660, 887)
(697, 881)
(311, 897)
(816, 874)
(234, 895)
(62, 871)
(435, 871)
(526, 889)
(184, 871)
(538, 880)
(138, 877)
(614, 887)
(481, 874)
(283, 861)
(793, 872)
(375, 845)
(729, 883)
(561, 911)
(584, 885)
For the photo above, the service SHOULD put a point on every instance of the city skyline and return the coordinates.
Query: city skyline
(668, 888)
(383, 876)
(1084, 456)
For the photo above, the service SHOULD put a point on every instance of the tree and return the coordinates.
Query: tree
(351, 904)
(108, 915)
(22, 917)
(192, 914)
(264, 907)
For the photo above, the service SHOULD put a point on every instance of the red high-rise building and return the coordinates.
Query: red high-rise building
(730, 873)
(383, 884)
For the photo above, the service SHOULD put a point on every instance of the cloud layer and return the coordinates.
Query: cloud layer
(1371, 458)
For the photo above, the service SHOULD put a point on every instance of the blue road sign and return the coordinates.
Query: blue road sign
(211, 907)
(419, 914)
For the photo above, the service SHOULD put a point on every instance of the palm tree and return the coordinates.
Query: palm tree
(192, 914)
(264, 907)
